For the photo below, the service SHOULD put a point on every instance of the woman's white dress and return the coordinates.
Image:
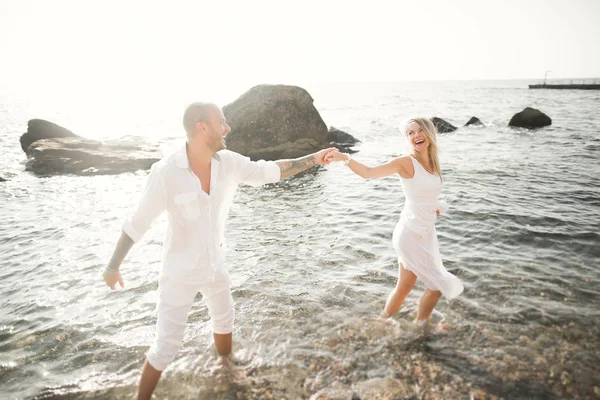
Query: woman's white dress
(415, 237)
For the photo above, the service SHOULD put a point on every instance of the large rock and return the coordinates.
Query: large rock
(443, 126)
(2, 179)
(79, 156)
(38, 129)
(530, 118)
(274, 122)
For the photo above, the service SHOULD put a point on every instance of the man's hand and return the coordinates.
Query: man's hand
(112, 277)
(322, 157)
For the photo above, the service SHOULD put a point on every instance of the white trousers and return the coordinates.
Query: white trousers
(174, 303)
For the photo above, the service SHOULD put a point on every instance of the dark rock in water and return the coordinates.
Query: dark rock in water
(38, 129)
(443, 126)
(79, 156)
(2, 179)
(340, 139)
(274, 122)
(474, 121)
(53, 150)
(530, 118)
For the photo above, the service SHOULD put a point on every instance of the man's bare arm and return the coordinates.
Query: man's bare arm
(297, 165)
(111, 274)
(123, 246)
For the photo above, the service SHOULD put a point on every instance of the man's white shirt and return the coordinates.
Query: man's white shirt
(194, 244)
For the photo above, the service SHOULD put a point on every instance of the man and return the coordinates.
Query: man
(195, 185)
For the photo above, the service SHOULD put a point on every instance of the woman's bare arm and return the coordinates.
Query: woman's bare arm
(400, 165)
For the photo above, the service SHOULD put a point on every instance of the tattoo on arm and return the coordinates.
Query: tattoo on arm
(292, 167)
(123, 246)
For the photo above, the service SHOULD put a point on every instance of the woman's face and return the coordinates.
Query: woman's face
(416, 137)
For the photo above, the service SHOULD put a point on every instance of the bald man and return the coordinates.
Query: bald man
(195, 185)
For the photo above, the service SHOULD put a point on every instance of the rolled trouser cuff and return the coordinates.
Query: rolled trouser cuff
(157, 361)
(224, 323)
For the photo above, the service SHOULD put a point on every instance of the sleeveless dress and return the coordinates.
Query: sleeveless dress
(415, 238)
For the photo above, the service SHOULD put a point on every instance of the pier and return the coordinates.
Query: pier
(580, 86)
(577, 84)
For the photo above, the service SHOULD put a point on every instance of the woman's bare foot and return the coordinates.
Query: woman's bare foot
(428, 328)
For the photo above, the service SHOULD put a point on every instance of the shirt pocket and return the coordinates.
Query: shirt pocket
(188, 205)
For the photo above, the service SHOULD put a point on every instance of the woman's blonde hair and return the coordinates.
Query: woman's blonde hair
(430, 131)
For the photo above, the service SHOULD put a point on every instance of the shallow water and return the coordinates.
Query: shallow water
(312, 264)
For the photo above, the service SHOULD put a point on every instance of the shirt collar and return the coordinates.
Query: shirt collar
(182, 161)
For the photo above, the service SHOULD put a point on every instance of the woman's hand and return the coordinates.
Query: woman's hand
(442, 207)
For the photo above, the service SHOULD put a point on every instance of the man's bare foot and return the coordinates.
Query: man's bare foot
(226, 362)
(222, 367)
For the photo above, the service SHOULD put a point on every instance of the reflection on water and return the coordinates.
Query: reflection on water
(312, 264)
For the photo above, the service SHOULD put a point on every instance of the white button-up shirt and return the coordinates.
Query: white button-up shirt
(194, 245)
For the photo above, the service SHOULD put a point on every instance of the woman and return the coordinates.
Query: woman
(415, 237)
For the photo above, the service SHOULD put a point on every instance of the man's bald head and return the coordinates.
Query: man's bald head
(197, 112)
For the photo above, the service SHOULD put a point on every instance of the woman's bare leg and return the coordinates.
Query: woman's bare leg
(406, 281)
(427, 303)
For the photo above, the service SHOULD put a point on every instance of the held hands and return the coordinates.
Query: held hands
(321, 157)
(111, 278)
(335, 156)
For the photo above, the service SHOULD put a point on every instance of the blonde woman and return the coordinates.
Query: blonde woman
(415, 238)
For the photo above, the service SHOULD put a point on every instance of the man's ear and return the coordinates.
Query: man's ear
(200, 127)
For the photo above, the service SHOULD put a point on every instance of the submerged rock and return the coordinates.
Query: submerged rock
(274, 122)
(474, 121)
(530, 118)
(80, 156)
(340, 139)
(443, 126)
(52, 150)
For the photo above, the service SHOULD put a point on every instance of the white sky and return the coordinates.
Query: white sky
(84, 44)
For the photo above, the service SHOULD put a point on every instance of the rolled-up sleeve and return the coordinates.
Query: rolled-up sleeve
(257, 173)
(152, 203)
